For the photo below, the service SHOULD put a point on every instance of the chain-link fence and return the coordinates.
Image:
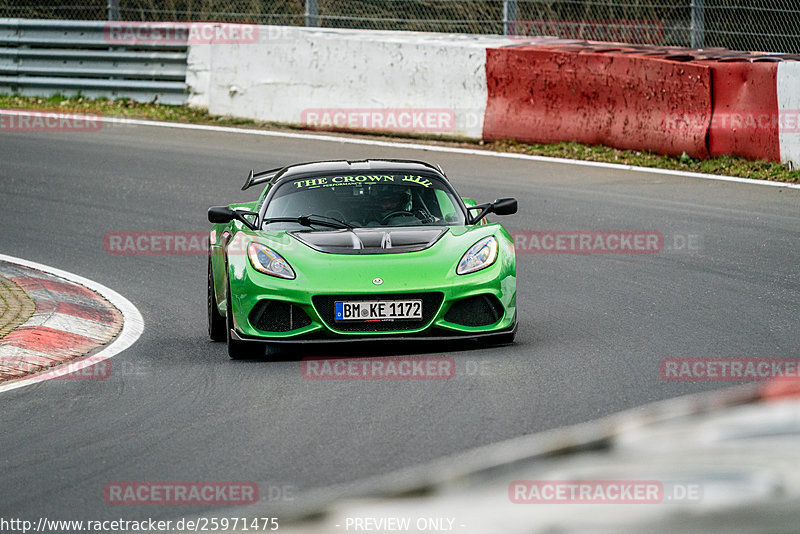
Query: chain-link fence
(761, 25)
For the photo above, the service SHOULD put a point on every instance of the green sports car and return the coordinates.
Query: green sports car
(358, 250)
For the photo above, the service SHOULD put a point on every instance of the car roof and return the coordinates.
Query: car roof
(299, 170)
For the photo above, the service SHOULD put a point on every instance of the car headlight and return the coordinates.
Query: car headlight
(267, 261)
(480, 255)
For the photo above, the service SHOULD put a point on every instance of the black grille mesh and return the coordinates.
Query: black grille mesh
(324, 305)
(278, 316)
(480, 310)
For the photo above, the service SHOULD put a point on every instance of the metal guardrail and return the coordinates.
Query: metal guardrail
(46, 57)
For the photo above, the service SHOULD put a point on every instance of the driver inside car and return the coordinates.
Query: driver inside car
(392, 205)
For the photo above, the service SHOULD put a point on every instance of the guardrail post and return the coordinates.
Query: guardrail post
(509, 15)
(113, 9)
(698, 23)
(312, 13)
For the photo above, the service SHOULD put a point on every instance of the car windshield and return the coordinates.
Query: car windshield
(364, 201)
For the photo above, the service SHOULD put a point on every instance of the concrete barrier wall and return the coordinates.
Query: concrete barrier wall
(788, 83)
(364, 80)
(667, 100)
(744, 120)
(546, 94)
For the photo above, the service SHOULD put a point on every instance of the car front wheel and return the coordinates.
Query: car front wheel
(239, 350)
(216, 322)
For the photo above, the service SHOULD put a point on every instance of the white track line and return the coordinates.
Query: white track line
(391, 144)
(132, 327)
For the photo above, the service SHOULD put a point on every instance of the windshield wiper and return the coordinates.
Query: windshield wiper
(341, 223)
(311, 220)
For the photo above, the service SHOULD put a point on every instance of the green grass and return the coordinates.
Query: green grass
(723, 165)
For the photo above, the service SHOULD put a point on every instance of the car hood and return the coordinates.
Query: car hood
(370, 240)
(412, 271)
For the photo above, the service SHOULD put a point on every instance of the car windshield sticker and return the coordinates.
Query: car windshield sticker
(338, 181)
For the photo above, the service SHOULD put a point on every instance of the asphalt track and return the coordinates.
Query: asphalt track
(593, 328)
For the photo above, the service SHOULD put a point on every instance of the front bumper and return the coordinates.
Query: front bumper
(496, 283)
(432, 336)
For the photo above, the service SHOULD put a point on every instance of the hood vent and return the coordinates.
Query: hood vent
(370, 240)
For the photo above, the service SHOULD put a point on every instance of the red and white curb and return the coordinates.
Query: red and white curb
(74, 316)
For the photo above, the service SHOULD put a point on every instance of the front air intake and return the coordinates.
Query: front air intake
(480, 310)
(278, 316)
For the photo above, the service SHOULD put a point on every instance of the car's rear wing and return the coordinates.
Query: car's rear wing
(255, 178)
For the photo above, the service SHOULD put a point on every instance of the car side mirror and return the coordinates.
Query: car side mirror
(225, 214)
(504, 206)
(220, 214)
(501, 206)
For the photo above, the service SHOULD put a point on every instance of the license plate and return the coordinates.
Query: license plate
(377, 310)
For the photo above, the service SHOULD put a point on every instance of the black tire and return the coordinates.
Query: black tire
(216, 322)
(239, 350)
